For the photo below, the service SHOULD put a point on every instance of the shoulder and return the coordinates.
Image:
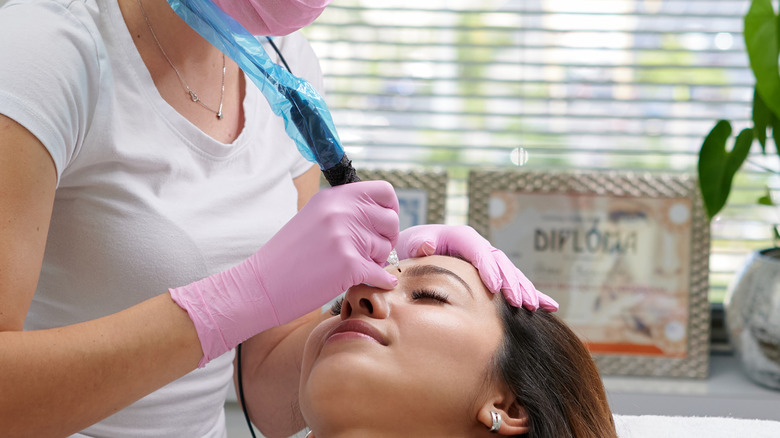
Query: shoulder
(53, 41)
(57, 54)
(50, 26)
(52, 13)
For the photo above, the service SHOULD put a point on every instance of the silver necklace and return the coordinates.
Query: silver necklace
(193, 95)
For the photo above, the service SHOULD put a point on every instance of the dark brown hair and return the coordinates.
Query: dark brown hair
(553, 376)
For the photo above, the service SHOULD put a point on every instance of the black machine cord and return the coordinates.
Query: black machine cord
(241, 392)
(238, 349)
(276, 49)
(309, 122)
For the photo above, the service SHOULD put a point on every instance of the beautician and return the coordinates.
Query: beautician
(148, 225)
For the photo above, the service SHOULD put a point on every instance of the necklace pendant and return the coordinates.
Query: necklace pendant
(193, 96)
(219, 115)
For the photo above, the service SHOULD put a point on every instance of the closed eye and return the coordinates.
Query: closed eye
(429, 294)
(335, 309)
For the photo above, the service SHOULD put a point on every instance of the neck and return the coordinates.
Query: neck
(197, 61)
(183, 44)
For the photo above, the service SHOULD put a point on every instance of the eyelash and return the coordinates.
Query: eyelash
(335, 309)
(429, 294)
(420, 294)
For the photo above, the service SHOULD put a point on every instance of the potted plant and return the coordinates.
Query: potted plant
(752, 302)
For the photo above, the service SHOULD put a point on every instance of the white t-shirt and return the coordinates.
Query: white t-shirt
(145, 200)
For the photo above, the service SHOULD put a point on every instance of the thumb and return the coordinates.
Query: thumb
(426, 248)
(417, 245)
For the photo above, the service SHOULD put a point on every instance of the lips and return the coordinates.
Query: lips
(357, 328)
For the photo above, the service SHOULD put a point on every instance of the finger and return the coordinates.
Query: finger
(516, 283)
(412, 240)
(489, 271)
(547, 303)
(378, 277)
(384, 222)
(379, 250)
(466, 242)
(381, 192)
(427, 248)
(419, 246)
(513, 291)
(528, 291)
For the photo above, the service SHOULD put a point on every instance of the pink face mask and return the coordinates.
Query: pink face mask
(273, 17)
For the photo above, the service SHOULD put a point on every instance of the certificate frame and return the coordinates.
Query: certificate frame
(422, 194)
(543, 200)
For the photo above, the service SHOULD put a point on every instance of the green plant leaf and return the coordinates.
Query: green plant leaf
(761, 41)
(766, 199)
(737, 155)
(717, 166)
(777, 26)
(712, 157)
(775, 123)
(762, 119)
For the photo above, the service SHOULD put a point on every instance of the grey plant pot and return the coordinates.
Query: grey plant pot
(752, 307)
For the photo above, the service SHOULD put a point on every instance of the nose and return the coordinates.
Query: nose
(365, 300)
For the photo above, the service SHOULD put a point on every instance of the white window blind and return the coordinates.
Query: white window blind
(545, 84)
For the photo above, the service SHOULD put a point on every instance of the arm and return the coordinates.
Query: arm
(271, 371)
(99, 366)
(307, 185)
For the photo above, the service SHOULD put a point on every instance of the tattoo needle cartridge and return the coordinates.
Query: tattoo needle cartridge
(393, 260)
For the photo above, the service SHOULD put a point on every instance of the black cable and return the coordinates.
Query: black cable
(241, 392)
(238, 349)
(278, 52)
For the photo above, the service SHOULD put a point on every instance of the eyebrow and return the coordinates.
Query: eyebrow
(423, 270)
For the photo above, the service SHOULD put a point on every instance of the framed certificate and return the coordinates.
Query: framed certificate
(625, 255)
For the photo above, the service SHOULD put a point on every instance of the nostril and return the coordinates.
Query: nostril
(364, 302)
(346, 309)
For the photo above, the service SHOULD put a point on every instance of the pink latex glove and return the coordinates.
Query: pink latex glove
(495, 268)
(341, 238)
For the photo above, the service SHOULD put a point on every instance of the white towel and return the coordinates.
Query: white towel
(657, 426)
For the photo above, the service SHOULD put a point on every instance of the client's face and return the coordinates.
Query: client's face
(408, 361)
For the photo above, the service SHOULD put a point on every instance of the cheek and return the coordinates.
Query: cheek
(313, 346)
(316, 337)
(438, 351)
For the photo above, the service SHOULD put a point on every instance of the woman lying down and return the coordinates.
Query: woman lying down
(441, 356)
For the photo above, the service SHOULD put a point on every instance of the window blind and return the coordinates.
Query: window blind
(546, 84)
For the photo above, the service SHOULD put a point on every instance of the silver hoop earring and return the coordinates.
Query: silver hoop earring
(496, 421)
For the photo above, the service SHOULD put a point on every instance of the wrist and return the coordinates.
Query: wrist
(226, 308)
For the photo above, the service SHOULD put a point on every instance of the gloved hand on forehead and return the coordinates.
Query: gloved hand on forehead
(496, 270)
(341, 238)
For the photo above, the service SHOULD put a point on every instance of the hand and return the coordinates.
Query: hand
(341, 238)
(495, 268)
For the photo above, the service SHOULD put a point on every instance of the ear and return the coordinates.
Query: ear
(514, 418)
